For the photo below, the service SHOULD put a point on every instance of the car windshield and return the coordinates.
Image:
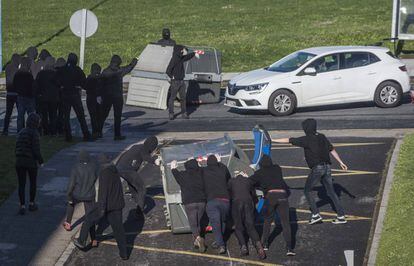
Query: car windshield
(291, 62)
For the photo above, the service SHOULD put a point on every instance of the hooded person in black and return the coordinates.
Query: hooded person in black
(176, 73)
(71, 80)
(110, 204)
(317, 150)
(23, 83)
(216, 177)
(243, 209)
(32, 54)
(60, 62)
(93, 87)
(28, 158)
(81, 189)
(166, 38)
(40, 64)
(11, 93)
(130, 164)
(269, 178)
(193, 197)
(113, 95)
(47, 91)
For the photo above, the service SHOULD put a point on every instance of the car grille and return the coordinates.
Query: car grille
(233, 89)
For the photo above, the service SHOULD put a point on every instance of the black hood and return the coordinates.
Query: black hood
(116, 61)
(84, 157)
(32, 53)
(72, 59)
(166, 34)
(309, 126)
(191, 165)
(177, 50)
(33, 121)
(44, 54)
(212, 160)
(60, 62)
(150, 144)
(50, 63)
(111, 167)
(15, 59)
(266, 161)
(95, 69)
(25, 64)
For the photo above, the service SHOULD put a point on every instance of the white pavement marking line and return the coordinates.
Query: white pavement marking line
(349, 257)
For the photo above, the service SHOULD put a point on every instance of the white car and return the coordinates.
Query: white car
(322, 76)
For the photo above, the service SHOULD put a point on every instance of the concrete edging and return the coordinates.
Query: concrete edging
(384, 204)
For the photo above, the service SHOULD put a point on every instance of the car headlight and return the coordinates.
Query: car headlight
(256, 87)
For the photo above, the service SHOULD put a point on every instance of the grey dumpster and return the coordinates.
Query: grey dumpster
(232, 156)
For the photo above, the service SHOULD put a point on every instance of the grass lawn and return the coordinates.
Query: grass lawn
(250, 34)
(8, 179)
(397, 240)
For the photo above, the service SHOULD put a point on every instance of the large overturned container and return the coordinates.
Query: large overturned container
(231, 155)
(148, 86)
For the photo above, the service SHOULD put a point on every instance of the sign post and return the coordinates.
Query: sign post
(83, 23)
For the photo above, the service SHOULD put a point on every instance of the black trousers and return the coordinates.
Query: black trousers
(117, 103)
(278, 201)
(243, 218)
(195, 212)
(115, 220)
(75, 102)
(60, 118)
(22, 173)
(48, 112)
(89, 207)
(136, 187)
(177, 87)
(95, 113)
(11, 100)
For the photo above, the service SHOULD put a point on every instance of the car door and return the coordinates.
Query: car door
(359, 75)
(326, 86)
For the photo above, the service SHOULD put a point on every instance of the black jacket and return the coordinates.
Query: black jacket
(82, 179)
(216, 177)
(241, 189)
(47, 88)
(269, 176)
(10, 71)
(23, 84)
(28, 144)
(110, 193)
(93, 86)
(317, 147)
(175, 69)
(191, 182)
(113, 75)
(137, 154)
(165, 42)
(71, 77)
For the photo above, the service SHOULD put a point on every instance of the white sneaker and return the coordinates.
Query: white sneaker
(339, 220)
(316, 218)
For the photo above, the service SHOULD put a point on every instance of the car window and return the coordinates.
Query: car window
(326, 63)
(373, 58)
(354, 59)
(291, 62)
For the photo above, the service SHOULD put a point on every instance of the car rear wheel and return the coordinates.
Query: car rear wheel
(388, 94)
(282, 102)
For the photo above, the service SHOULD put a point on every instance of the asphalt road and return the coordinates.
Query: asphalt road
(151, 243)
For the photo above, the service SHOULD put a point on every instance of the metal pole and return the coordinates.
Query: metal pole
(83, 37)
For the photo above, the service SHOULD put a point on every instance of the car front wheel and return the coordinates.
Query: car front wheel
(281, 103)
(388, 94)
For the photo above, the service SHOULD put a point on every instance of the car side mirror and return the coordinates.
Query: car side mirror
(311, 71)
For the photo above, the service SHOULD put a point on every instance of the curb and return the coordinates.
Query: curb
(384, 204)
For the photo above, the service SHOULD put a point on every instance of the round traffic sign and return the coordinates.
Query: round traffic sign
(91, 23)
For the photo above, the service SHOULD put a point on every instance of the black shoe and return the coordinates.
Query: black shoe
(214, 245)
(22, 211)
(33, 207)
(171, 116)
(119, 137)
(78, 244)
(316, 218)
(124, 257)
(339, 220)
(185, 116)
(290, 252)
(222, 250)
(244, 251)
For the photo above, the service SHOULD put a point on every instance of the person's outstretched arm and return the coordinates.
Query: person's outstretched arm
(126, 69)
(338, 159)
(283, 140)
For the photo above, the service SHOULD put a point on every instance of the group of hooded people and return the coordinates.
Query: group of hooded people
(52, 88)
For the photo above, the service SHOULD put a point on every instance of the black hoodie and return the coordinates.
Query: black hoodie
(110, 193)
(216, 177)
(269, 176)
(40, 64)
(47, 88)
(166, 38)
(28, 144)
(135, 155)
(71, 77)
(23, 82)
(317, 147)
(82, 179)
(93, 85)
(112, 76)
(11, 70)
(175, 69)
(191, 182)
(32, 53)
(241, 189)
